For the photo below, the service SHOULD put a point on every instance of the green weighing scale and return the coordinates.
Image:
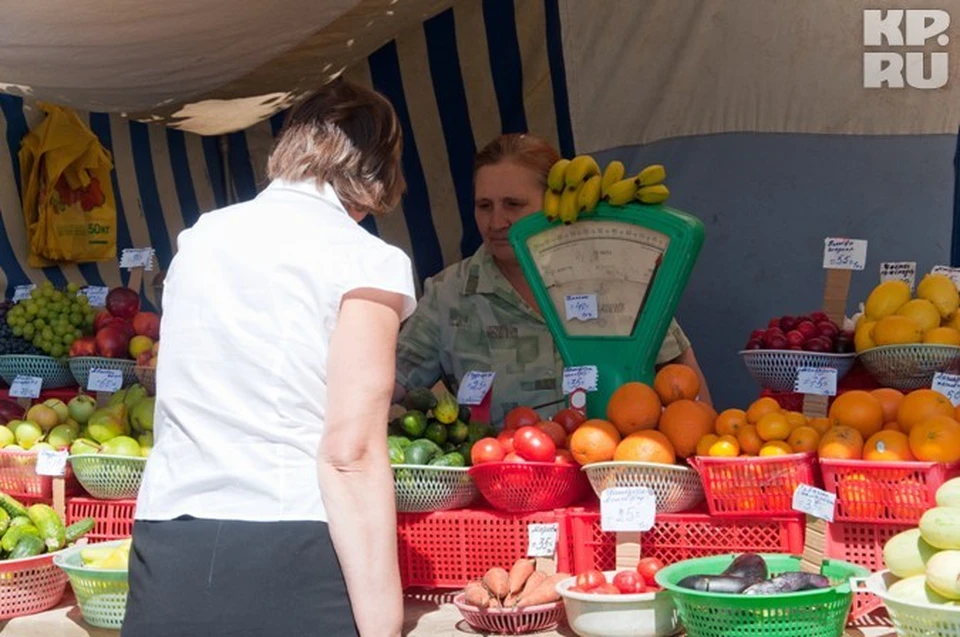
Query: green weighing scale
(608, 286)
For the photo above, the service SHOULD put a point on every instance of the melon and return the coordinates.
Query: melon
(940, 527)
(906, 554)
(943, 573)
(914, 590)
(948, 495)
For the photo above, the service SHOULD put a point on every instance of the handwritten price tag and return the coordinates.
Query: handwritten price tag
(26, 387)
(819, 381)
(105, 380)
(52, 463)
(474, 387)
(815, 502)
(582, 307)
(626, 509)
(905, 271)
(22, 292)
(580, 377)
(948, 385)
(953, 273)
(137, 258)
(542, 539)
(844, 254)
(96, 295)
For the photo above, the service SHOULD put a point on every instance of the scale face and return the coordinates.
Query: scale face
(608, 286)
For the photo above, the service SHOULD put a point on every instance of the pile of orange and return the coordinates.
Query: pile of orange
(764, 429)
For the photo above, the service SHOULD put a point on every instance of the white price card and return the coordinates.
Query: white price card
(626, 509)
(96, 295)
(137, 258)
(474, 387)
(819, 381)
(948, 385)
(581, 307)
(905, 271)
(844, 254)
(815, 502)
(22, 292)
(953, 273)
(105, 380)
(26, 387)
(542, 539)
(580, 377)
(52, 463)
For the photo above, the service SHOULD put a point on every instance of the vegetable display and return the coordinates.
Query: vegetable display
(31, 531)
(434, 431)
(748, 575)
(520, 587)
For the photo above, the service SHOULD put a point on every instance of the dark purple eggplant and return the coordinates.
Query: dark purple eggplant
(789, 583)
(715, 583)
(748, 566)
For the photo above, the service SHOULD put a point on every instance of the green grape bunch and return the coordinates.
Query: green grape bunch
(51, 319)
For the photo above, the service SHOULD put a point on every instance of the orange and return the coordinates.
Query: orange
(703, 447)
(709, 409)
(685, 422)
(821, 425)
(888, 446)
(594, 441)
(646, 446)
(796, 419)
(749, 439)
(634, 407)
(890, 401)
(909, 499)
(725, 447)
(860, 496)
(774, 426)
(920, 405)
(675, 382)
(775, 448)
(936, 439)
(841, 443)
(892, 426)
(730, 421)
(804, 440)
(761, 408)
(956, 413)
(858, 409)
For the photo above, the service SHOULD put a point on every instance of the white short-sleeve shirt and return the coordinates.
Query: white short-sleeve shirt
(249, 304)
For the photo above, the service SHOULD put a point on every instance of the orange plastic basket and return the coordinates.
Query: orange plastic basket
(30, 585)
(18, 476)
(748, 487)
(522, 487)
(114, 517)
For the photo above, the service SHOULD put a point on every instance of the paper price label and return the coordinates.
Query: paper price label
(953, 273)
(52, 463)
(581, 307)
(626, 509)
(815, 502)
(474, 387)
(22, 292)
(137, 258)
(948, 385)
(542, 539)
(105, 380)
(844, 254)
(905, 271)
(580, 377)
(26, 387)
(819, 381)
(96, 295)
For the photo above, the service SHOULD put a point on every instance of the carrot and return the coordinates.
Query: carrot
(494, 603)
(519, 572)
(476, 595)
(497, 582)
(535, 579)
(510, 601)
(545, 593)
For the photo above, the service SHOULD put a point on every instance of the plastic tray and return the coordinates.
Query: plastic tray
(676, 488)
(101, 594)
(18, 476)
(420, 489)
(747, 487)
(80, 368)
(909, 367)
(30, 585)
(529, 486)
(776, 369)
(511, 621)
(114, 517)
(54, 372)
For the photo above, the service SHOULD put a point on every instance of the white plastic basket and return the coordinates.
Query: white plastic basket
(54, 372)
(676, 488)
(420, 489)
(109, 477)
(80, 368)
(909, 367)
(913, 619)
(776, 369)
(635, 615)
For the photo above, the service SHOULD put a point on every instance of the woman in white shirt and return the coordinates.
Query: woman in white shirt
(267, 505)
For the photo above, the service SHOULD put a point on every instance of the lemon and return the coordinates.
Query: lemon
(863, 338)
(923, 312)
(942, 336)
(897, 330)
(941, 291)
(886, 299)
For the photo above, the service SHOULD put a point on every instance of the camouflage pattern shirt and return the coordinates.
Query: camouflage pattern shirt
(471, 319)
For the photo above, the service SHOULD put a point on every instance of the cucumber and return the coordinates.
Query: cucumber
(4, 521)
(9, 540)
(20, 520)
(49, 524)
(12, 506)
(27, 546)
(420, 399)
(78, 529)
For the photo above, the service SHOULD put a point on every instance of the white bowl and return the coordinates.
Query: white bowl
(638, 615)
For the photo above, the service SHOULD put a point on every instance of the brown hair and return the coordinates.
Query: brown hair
(527, 150)
(348, 136)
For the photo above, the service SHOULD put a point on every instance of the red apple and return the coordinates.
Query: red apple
(144, 359)
(103, 317)
(772, 334)
(776, 342)
(112, 342)
(818, 317)
(123, 325)
(774, 322)
(808, 329)
(796, 348)
(147, 324)
(788, 323)
(756, 335)
(123, 302)
(828, 329)
(818, 344)
(795, 337)
(10, 410)
(754, 343)
(84, 346)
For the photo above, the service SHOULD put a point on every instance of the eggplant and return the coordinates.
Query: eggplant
(749, 566)
(715, 583)
(789, 583)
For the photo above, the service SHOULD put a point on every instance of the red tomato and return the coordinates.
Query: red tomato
(505, 438)
(534, 445)
(513, 457)
(564, 457)
(556, 432)
(570, 419)
(647, 568)
(629, 582)
(520, 417)
(606, 589)
(589, 580)
(486, 450)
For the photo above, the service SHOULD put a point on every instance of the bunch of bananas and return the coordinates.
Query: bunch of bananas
(575, 187)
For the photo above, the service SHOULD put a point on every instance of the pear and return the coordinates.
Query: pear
(141, 416)
(83, 445)
(62, 436)
(44, 416)
(107, 423)
(81, 407)
(146, 443)
(135, 393)
(59, 407)
(117, 398)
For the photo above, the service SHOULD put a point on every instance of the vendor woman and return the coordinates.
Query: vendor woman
(480, 314)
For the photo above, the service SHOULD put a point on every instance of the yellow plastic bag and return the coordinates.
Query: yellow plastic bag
(68, 202)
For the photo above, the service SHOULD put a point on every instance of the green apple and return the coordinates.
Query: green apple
(6, 437)
(28, 433)
(62, 436)
(81, 407)
(40, 446)
(107, 423)
(121, 446)
(60, 407)
(83, 445)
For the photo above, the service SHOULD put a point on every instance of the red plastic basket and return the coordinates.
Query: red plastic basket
(114, 517)
(511, 621)
(18, 476)
(748, 487)
(30, 585)
(447, 549)
(884, 492)
(520, 487)
(681, 536)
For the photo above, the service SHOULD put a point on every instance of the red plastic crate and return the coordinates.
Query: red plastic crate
(682, 536)
(447, 549)
(114, 517)
(884, 492)
(749, 487)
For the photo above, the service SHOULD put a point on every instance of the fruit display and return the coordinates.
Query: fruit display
(520, 587)
(435, 431)
(624, 582)
(892, 315)
(121, 330)
(50, 321)
(124, 427)
(10, 341)
(28, 531)
(113, 557)
(813, 332)
(527, 438)
(48, 425)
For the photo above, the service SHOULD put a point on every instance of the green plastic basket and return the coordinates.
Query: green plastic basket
(109, 477)
(817, 613)
(101, 593)
(54, 372)
(80, 368)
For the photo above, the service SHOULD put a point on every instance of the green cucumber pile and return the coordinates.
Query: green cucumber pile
(34, 530)
(434, 431)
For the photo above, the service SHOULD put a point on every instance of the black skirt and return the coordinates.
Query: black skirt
(192, 577)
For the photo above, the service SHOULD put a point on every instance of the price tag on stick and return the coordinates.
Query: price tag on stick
(905, 271)
(581, 377)
(474, 386)
(819, 381)
(815, 502)
(104, 380)
(844, 254)
(26, 387)
(132, 258)
(948, 385)
(542, 539)
(22, 292)
(52, 463)
(953, 273)
(627, 509)
(96, 295)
